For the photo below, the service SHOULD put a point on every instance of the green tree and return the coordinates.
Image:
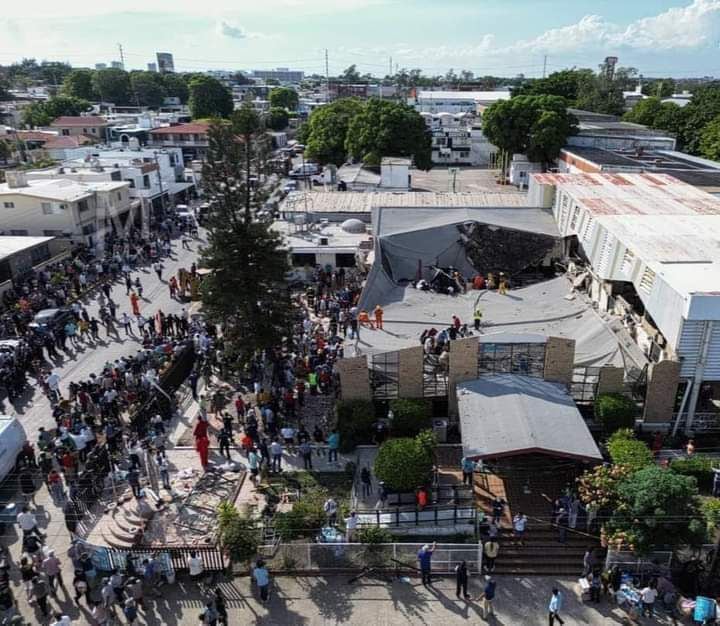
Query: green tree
(384, 128)
(660, 88)
(4, 89)
(410, 416)
(537, 126)
(79, 84)
(245, 290)
(564, 84)
(699, 467)
(113, 85)
(644, 112)
(403, 464)
(43, 113)
(698, 113)
(625, 449)
(670, 118)
(277, 119)
(5, 150)
(658, 507)
(148, 88)
(325, 131)
(284, 98)
(709, 143)
(176, 86)
(238, 536)
(350, 75)
(209, 98)
(354, 420)
(615, 411)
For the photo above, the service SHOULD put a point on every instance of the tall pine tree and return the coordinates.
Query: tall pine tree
(245, 291)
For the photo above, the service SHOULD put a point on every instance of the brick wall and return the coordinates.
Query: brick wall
(410, 372)
(610, 380)
(663, 379)
(463, 366)
(354, 378)
(559, 359)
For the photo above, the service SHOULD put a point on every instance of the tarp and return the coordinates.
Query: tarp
(506, 415)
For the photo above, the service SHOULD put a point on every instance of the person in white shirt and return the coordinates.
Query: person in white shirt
(195, 566)
(28, 522)
(519, 525)
(648, 597)
(331, 508)
(351, 524)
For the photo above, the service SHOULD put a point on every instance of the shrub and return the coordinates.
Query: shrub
(698, 466)
(355, 419)
(374, 535)
(237, 535)
(403, 464)
(625, 450)
(615, 411)
(711, 512)
(410, 417)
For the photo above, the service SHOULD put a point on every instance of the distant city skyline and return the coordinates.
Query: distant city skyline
(501, 37)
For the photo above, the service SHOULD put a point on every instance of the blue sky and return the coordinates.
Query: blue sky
(659, 37)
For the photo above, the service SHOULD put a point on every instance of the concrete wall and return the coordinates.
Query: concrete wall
(463, 366)
(559, 359)
(663, 379)
(354, 378)
(410, 372)
(611, 380)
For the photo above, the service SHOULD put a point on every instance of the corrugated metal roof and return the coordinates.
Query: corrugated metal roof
(507, 414)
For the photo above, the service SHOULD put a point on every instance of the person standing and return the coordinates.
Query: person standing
(333, 446)
(40, 591)
(379, 317)
(224, 443)
(490, 551)
(202, 445)
(126, 321)
(519, 527)
(276, 455)
(262, 579)
(305, 449)
(648, 596)
(425, 558)
(254, 465)
(461, 580)
(331, 508)
(195, 567)
(366, 481)
(468, 467)
(555, 607)
(477, 317)
(351, 524)
(488, 596)
(52, 568)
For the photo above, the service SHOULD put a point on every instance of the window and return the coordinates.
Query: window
(93, 131)
(527, 359)
(65, 132)
(575, 215)
(39, 254)
(88, 229)
(146, 181)
(589, 228)
(119, 195)
(62, 207)
(131, 181)
(46, 208)
(85, 130)
(19, 233)
(628, 262)
(303, 259)
(9, 205)
(83, 205)
(647, 280)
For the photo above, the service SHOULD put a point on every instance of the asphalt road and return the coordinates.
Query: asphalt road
(33, 409)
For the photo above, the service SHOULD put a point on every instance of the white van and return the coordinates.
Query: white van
(12, 440)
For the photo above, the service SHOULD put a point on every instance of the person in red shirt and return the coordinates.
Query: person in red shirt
(202, 445)
(300, 392)
(201, 428)
(240, 407)
(421, 497)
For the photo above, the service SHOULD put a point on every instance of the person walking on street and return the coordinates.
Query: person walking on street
(157, 268)
(425, 558)
(276, 452)
(52, 568)
(126, 321)
(262, 579)
(461, 580)
(224, 443)
(555, 607)
(40, 591)
(477, 317)
(366, 481)
(488, 596)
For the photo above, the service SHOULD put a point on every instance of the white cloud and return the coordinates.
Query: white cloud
(232, 31)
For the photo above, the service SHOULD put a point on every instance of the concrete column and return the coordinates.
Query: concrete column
(662, 384)
(559, 359)
(354, 378)
(463, 366)
(611, 380)
(410, 372)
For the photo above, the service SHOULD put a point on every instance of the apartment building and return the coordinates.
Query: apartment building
(82, 212)
(191, 139)
(457, 139)
(92, 126)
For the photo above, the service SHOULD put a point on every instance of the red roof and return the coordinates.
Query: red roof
(34, 135)
(66, 141)
(79, 120)
(193, 128)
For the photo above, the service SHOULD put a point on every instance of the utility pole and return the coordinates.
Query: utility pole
(544, 65)
(390, 72)
(122, 56)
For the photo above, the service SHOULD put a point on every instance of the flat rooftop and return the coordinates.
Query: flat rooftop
(10, 245)
(60, 189)
(541, 309)
(477, 96)
(308, 240)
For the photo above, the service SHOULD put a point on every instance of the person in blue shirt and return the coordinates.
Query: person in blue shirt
(262, 578)
(488, 596)
(555, 607)
(333, 442)
(425, 558)
(468, 467)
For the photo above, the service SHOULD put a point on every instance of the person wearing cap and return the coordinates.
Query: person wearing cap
(425, 558)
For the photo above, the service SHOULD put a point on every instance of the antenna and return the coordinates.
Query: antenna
(391, 73)
(544, 65)
(327, 74)
(122, 56)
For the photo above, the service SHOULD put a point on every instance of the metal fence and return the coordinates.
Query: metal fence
(397, 517)
(316, 557)
(629, 562)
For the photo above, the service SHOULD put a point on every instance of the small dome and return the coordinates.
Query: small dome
(353, 225)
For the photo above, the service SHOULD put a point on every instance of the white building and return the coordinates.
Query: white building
(80, 211)
(455, 101)
(457, 139)
(652, 244)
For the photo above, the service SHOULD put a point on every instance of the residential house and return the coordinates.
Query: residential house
(89, 125)
(455, 101)
(191, 138)
(19, 255)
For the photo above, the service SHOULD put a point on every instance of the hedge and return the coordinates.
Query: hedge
(355, 419)
(403, 464)
(698, 466)
(615, 411)
(624, 449)
(410, 417)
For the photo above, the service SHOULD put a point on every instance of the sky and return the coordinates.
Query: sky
(502, 37)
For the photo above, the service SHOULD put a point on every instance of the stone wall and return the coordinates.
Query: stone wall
(410, 372)
(611, 380)
(559, 359)
(354, 378)
(663, 380)
(463, 366)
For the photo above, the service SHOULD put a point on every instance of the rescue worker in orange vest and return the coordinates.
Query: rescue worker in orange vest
(379, 317)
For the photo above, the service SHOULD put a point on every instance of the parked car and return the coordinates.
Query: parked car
(301, 171)
(50, 319)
